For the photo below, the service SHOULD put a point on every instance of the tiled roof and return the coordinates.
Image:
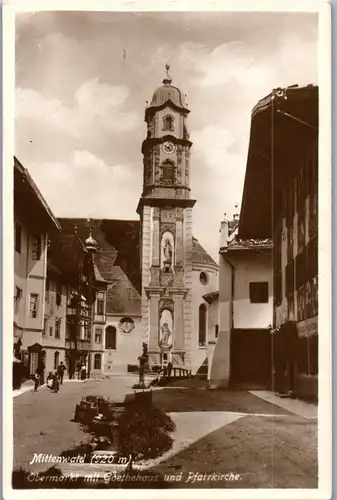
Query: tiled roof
(117, 260)
(200, 256)
(250, 244)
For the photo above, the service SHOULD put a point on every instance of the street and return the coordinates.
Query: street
(223, 439)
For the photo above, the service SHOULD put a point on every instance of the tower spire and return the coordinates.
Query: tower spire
(167, 80)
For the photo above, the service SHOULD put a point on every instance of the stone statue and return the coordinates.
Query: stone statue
(167, 249)
(166, 336)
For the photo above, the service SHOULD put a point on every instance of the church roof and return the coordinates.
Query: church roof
(117, 260)
(166, 93)
(200, 256)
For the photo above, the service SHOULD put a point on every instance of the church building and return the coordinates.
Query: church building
(157, 273)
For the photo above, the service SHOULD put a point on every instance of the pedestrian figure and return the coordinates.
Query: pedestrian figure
(60, 371)
(83, 372)
(50, 380)
(56, 383)
(169, 369)
(36, 380)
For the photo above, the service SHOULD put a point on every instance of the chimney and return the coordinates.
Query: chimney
(236, 216)
(224, 232)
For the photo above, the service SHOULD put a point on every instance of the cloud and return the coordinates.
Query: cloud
(86, 186)
(96, 105)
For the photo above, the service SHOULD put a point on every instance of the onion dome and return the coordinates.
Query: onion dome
(91, 243)
(167, 92)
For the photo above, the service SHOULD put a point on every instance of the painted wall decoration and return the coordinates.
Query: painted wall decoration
(166, 329)
(126, 325)
(167, 252)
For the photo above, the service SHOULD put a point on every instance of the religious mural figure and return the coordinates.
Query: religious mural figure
(166, 336)
(168, 252)
(166, 326)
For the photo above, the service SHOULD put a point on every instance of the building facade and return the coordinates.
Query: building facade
(241, 351)
(285, 190)
(32, 229)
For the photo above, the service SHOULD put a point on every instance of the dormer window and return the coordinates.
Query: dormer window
(168, 122)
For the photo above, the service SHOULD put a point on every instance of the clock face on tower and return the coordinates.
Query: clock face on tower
(168, 147)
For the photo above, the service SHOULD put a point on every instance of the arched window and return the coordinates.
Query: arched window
(168, 171)
(97, 361)
(56, 359)
(168, 122)
(202, 324)
(216, 331)
(110, 337)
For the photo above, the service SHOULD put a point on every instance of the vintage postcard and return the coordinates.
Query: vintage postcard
(167, 211)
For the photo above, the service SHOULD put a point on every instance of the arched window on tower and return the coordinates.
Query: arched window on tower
(168, 122)
(168, 172)
(202, 324)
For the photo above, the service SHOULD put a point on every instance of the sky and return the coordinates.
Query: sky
(83, 78)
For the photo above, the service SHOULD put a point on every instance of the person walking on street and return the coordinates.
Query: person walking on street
(60, 372)
(36, 380)
(83, 372)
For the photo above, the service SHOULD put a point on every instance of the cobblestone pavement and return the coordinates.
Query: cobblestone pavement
(43, 420)
(241, 441)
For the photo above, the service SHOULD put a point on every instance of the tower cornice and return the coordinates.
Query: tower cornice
(150, 110)
(163, 202)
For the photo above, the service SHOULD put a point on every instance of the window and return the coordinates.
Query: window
(203, 278)
(98, 335)
(258, 292)
(86, 331)
(50, 331)
(33, 305)
(97, 361)
(58, 328)
(168, 172)
(202, 324)
(58, 293)
(100, 306)
(36, 247)
(110, 338)
(168, 122)
(216, 331)
(56, 359)
(18, 236)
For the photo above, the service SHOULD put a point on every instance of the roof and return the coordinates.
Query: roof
(117, 245)
(283, 124)
(117, 260)
(25, 190)
(248, 244)
(166, 93)
(210, 297)
(200, 256)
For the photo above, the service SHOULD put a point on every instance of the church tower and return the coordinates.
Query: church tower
(165, 210)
